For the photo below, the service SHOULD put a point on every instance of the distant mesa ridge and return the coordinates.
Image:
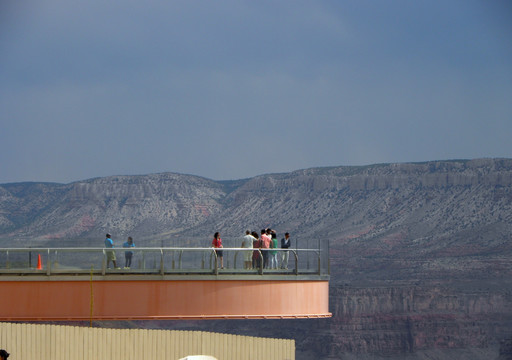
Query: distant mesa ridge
(310, 201)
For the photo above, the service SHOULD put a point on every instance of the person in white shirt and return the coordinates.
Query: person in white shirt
(247, 242)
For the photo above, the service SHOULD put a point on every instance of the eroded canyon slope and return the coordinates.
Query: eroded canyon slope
(420, 252)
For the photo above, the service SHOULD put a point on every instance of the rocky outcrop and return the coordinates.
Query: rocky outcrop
(415, 318)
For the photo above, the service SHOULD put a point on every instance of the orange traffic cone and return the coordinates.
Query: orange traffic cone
(39, 265)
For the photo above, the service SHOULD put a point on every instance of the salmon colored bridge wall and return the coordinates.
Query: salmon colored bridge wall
(162, 299)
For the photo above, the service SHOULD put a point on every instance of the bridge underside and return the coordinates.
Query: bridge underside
(79, 298)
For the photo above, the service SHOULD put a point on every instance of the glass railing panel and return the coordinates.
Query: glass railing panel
(160, 261)
(144, 260)
(186, 259)
(19, 259)
(73, 260)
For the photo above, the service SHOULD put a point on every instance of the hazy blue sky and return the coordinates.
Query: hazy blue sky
(234, 89)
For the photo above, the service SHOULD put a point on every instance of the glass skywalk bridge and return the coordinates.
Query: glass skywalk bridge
(162, 283)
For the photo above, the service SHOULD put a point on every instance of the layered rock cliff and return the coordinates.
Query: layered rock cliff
(420, 253)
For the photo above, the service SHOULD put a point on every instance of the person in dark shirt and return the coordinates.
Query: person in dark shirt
(285, 244)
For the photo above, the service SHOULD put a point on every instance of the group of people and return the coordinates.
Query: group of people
(111, 254)
(264, 253)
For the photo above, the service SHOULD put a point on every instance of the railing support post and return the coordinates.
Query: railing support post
(260, 270)
(319, 263)
(48, 264)
(216, 269)
(296, 256)
(104, 263)
(161, 261)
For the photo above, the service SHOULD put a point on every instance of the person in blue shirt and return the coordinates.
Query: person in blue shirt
(128, 254)
(111, 254)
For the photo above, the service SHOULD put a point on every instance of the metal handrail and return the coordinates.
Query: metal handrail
(52, 257)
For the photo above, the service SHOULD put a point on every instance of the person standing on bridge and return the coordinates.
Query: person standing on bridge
(285, 244)
(217, 244)
(111, 254)
(256, 244)
(265, 245)
(273, 253)
(128, 254)
(247, 242)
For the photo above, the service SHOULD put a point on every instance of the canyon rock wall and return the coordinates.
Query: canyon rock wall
(420, 253)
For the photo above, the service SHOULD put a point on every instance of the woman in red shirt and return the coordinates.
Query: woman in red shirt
(217, 243)
(256, 258)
